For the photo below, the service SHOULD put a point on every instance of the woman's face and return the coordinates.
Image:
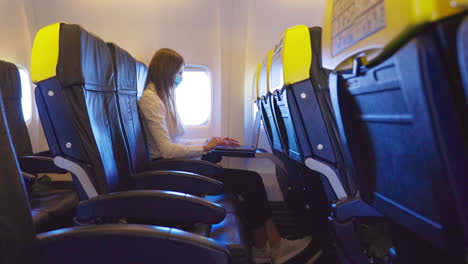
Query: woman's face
(178, 77)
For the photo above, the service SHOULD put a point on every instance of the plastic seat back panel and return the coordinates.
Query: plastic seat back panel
(282, 103)
(388, 116)
(313, 121)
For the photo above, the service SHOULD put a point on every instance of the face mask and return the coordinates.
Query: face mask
(177, 80)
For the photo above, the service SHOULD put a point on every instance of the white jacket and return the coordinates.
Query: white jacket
(155, 123)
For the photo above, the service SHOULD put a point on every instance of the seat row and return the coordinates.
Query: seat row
(116, 243)
(52, 203)
(87, 100)
(377, 105)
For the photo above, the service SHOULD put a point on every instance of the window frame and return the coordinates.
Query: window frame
(207, 71)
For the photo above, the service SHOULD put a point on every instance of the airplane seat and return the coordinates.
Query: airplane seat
(74, 73)
(32, 163)
(230, 231)
(398, 109)
(126, 75)
(53, 206)
(88, 244)
(300, 88)
(127, 82)
(16, 225)
(75, 82)
(265, 105)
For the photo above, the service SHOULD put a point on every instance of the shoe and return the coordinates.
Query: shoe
(261, 256)
(287, 249)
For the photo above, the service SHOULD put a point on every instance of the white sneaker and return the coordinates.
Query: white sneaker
(287, 249)
(261, 256)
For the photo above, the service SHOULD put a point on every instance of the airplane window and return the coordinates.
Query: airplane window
(26, 101)
(193, 96)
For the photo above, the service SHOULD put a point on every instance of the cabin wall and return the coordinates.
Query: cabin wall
(15, 42)
(15, 47)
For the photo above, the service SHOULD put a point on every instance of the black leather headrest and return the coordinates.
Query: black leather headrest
(130, 73)
(84, 59)
(10, 83)
(125, 68)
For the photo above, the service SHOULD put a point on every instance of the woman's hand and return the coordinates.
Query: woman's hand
(232, 142)
(213, 142)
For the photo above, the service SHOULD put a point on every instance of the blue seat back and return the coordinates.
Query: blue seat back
(17, 234)
(130, 77)
(401, 120)
(12, 94)
(301, 97)
(265, 105)
(78, 105)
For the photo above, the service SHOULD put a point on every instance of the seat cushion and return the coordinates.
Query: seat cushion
(54, 211)
(42, 220)
(48, 188)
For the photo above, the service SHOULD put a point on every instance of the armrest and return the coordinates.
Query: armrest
(212, 157)
(111, 244)
(179, 181)
(161, 206)
(28, 176)
(202, 167)
(39, 164)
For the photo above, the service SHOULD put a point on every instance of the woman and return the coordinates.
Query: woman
(164, 131)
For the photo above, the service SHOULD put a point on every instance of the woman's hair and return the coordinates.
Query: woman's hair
(162, 69)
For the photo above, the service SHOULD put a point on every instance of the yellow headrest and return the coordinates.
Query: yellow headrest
(292, 58)
(45, 53)
(372, 28)
(257, 80)
(264, 78)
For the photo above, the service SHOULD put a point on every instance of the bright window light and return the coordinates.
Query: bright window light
(193, 96)
(26, 101)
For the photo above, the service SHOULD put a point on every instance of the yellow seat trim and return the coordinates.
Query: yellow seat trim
(387, 23)
(296, 54)
(45, 53)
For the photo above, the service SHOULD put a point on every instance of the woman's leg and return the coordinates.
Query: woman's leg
(249, 185)
(259, 237)
(272, 233)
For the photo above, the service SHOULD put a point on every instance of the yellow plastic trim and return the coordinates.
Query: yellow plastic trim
(264, 78)
(297, 54)
(45, 53)
(401, 19)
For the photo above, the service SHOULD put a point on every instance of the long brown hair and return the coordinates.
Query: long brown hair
(162, 70)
